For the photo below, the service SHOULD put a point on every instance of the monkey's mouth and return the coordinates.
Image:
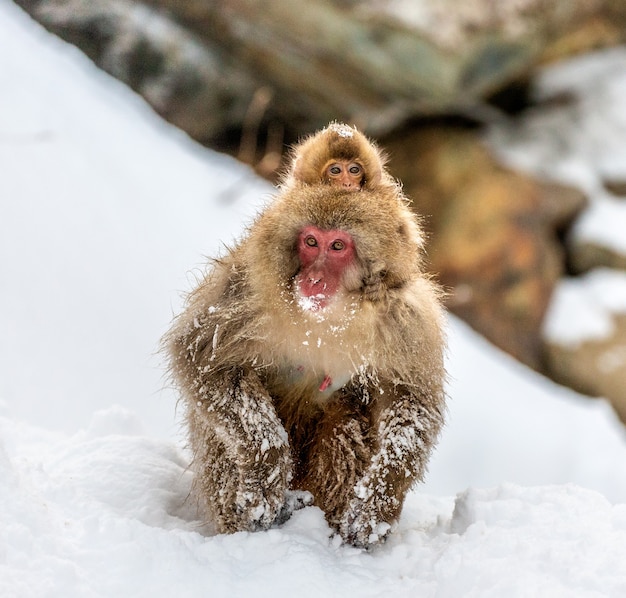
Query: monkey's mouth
(314, 292)
(314, 302)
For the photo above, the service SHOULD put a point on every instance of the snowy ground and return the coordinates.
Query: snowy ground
(104, 212)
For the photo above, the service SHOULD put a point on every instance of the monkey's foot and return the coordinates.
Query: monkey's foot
(255, 512)
(294, 501)
(261, 494)
(370, 515)
(363, 530)
(242, 495)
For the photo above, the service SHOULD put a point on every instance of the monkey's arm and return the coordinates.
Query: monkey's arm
(406, 407)
(241, 455)
(402, 435)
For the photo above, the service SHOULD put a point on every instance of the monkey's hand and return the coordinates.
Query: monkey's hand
(242, 457)
(373, 286)
(295, 500)
(406, 432)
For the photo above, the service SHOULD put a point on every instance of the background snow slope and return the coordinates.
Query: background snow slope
(105, 211)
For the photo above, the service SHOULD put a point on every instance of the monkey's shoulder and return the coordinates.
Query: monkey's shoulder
(411, 319)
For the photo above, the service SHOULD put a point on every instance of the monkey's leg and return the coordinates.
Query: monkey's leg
(404, 433)
(336, 459)
(242, 461)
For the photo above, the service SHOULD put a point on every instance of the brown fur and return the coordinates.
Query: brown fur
(336, 142)
(249, 363)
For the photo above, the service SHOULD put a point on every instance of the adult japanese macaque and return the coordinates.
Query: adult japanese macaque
(338, 155)
(310, 357)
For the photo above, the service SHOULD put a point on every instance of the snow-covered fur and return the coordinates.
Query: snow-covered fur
(345, 402)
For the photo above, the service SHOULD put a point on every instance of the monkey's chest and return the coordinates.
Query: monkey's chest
(314, 372)
(315, 355)
(319, 384)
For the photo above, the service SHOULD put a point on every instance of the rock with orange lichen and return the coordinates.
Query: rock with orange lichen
(494, 241)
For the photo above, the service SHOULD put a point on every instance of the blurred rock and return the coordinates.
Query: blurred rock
(616, 187)
(191, 82)
(603, 29)
(594, 367)
(375, 63)
(585, 256)
(494, 233)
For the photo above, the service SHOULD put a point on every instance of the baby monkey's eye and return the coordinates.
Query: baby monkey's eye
(334, 169)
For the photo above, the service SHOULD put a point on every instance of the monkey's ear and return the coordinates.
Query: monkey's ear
(308, 159)
(373, 177)
(304, 171)
(373, 163)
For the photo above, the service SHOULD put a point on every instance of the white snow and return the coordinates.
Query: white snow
(104, 209)
(104, 213)
(590, 301)
(341, 130)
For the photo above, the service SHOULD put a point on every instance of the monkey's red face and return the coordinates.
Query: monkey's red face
(345, 174)
(325, 256)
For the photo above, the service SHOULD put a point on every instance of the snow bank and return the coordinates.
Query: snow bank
(103, 209)
(104, 513)
(509, 424)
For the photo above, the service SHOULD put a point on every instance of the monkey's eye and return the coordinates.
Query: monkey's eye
(355, 169)
(334, 169)
(311, 241)
(337, 245)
